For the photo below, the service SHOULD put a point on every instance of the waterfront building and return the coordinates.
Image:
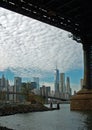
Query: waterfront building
(42, 90)
(48, 90)
(45, 91)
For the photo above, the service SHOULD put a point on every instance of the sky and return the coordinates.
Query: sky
(30, 48)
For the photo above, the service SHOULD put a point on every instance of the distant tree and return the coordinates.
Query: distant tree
(2, 96)
(29, 95)
(26, 90)
(33, 98)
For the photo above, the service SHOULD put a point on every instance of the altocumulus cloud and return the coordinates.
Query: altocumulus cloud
(29, 47)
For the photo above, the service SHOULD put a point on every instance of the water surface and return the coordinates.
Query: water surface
(62, 119)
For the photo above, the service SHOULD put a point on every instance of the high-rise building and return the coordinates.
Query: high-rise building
(42, 90)
(68, 89)
(68, 85)
(3, 82)
(36, 80)
(0, 85)
(48, 90)
(45, 91)
(17, 88)
(56, 80)
(82, 83)
(62, 83)
(33, 85)
(7, 83)
(17, 84)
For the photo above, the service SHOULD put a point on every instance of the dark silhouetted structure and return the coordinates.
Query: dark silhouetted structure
(74, 16)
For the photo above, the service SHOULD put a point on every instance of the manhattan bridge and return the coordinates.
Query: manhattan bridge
(74, 16)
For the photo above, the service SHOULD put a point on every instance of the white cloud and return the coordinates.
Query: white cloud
(27, 45)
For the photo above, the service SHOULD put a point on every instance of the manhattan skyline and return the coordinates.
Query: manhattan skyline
(30, 48)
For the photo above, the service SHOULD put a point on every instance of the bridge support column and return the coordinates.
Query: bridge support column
(83, 99)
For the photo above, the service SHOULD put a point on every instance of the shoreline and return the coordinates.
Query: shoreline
(11, 109)
(4, 128)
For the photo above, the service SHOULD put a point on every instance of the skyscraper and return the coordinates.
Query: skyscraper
(56, 80)
(17, 88)
(82, 83)
(36, 80)
(3, 82)
(68, 85)
(17, 83)
(68, 89)
(62, 83)
(0, 85)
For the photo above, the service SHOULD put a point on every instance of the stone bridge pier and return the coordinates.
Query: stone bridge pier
(83, 99)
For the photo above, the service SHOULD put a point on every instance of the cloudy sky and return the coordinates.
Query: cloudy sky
(31, 48)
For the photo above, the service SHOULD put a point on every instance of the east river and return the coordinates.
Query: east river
(62, 119)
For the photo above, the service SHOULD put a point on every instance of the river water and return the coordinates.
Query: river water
(62, 119)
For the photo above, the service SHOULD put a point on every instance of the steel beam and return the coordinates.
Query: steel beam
(41, 14)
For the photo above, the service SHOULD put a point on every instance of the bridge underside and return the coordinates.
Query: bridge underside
(64, 14)
(74, 16)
